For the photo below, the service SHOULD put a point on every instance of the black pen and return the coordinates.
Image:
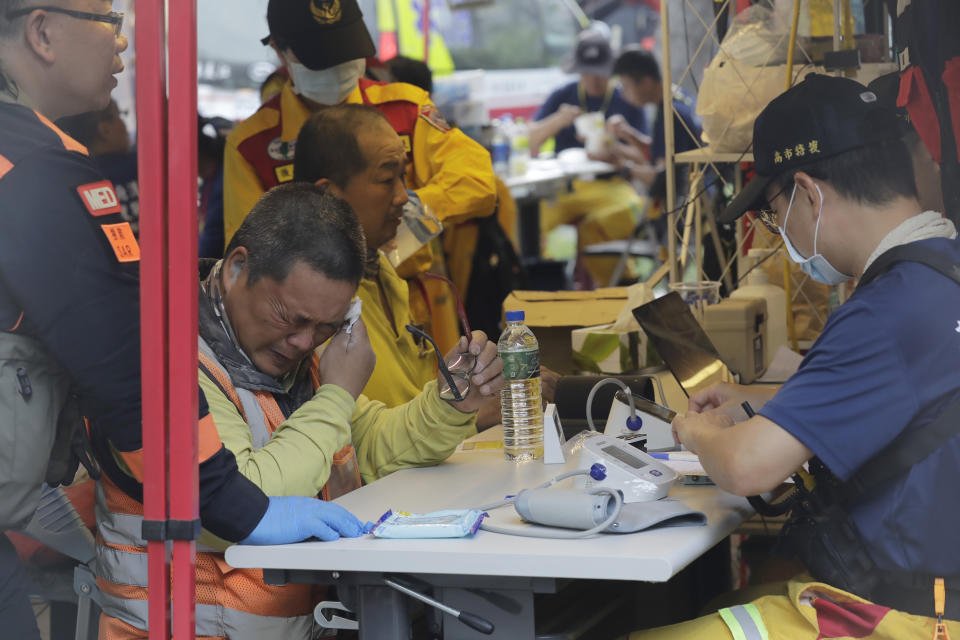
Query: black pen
(748, 409)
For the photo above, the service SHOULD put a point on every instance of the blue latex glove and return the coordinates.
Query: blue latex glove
(296, 518)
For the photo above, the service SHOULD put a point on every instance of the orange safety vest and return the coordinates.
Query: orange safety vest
(231, 603)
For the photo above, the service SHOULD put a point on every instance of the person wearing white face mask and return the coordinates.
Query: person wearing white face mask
(875, 405)
(324, 44)
(816, 266)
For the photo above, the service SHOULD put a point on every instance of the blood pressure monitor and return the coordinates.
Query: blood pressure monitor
(654, 421)
(640, 477)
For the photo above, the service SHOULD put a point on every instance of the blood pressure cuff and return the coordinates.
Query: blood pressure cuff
(640, 516)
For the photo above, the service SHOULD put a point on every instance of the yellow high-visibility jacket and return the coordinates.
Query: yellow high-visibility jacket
(403, 367)
(449, 171)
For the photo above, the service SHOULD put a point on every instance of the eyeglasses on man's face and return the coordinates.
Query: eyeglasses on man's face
(114, 18)
(768, 216)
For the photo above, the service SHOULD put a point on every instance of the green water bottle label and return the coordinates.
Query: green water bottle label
(521, 365)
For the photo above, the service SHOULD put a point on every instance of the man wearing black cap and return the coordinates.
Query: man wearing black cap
(593, 60)
(874, 406)
(603, 209)
(323, 44)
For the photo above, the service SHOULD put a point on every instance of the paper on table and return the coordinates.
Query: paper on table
(785, 363)
(686, 467)
(483, 441)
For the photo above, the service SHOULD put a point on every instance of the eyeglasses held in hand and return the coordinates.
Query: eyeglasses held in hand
(456, 372)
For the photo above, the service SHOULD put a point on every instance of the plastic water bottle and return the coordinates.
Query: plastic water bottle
(520, 409)
(519, 148)
(500, 149)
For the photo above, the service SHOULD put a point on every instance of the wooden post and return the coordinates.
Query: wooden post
(787, 282)
(667, 75)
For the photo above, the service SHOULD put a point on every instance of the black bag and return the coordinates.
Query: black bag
(494, 273)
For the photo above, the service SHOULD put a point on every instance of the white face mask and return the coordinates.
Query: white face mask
(327, 86)
(816, 266)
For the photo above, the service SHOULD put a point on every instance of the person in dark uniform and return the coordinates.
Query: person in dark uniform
(593, 91)
(642, 84)
(69, 297)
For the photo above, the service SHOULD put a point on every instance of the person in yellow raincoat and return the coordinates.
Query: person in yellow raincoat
(837, 183)
(323, 44)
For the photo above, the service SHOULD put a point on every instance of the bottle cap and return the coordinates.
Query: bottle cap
(514, 316)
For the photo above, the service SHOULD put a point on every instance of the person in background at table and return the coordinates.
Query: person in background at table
(836, 178)
(105, 136)
(352, 152)
(593, 91)
(323, 44)
(295, 417)
(644, 154)
(604, 209)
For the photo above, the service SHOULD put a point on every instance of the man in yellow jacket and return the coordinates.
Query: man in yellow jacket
(294, 418)
(352, 152)
(323, 44)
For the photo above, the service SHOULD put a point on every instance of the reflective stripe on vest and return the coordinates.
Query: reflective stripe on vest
(121, 561)
(744, 622)
(214, 621)
(249, 407)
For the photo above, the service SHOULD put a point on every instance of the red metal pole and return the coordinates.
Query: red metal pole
(183, 283)
(152, 146)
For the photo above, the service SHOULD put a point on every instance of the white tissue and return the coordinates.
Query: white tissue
(353, 314)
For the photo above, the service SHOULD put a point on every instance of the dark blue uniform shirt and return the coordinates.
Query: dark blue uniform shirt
(64, 282)
(685, 114)
(568, 94)
(887, 359)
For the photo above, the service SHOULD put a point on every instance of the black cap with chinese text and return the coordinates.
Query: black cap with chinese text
(321, 33)
(822, 116)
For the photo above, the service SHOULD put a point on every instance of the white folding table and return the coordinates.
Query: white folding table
(482, 573)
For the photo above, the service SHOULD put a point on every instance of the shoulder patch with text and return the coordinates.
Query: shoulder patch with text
(99, 198)
(121, 239)
(432, 115)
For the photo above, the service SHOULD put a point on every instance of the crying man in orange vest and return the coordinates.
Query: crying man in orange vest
(294, 417)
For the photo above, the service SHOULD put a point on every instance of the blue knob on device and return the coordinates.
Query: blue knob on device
(634, 423)
(598, 471)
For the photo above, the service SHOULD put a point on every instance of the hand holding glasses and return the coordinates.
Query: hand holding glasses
(456, 372)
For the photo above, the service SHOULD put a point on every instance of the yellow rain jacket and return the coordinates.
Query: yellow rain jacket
(449, 171)
(804, 610)
(403, 368)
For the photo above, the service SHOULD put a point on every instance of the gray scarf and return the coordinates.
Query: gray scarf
(923, 226)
